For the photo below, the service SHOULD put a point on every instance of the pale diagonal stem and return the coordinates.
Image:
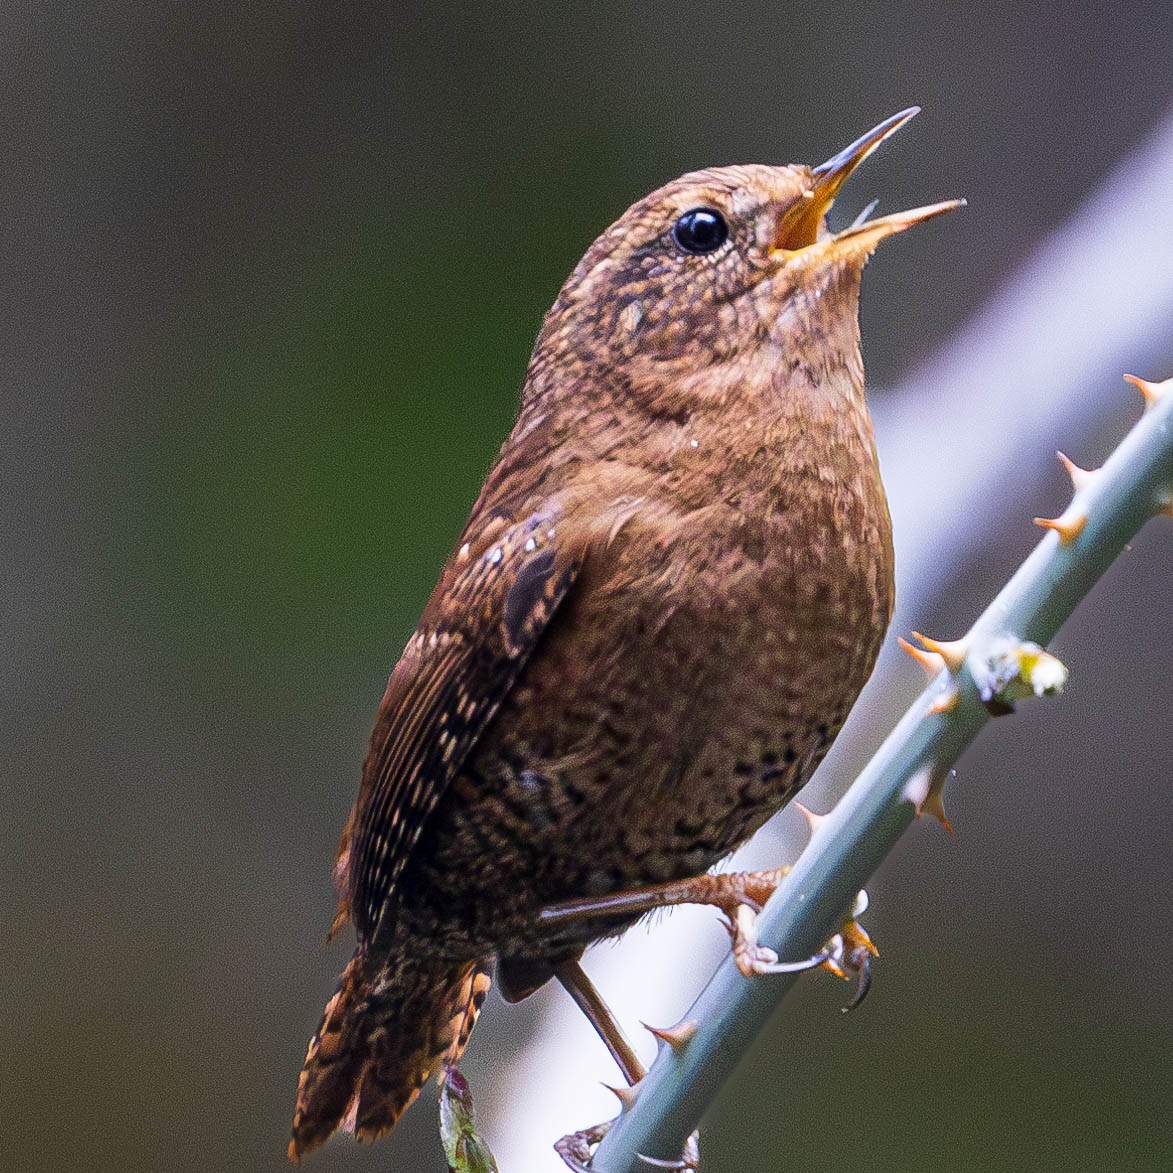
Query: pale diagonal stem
(811, 902)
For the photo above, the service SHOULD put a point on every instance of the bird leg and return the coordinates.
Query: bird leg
(588, 999)
(576, 1148)
(739, 895)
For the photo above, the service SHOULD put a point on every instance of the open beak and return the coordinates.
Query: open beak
(799, 226)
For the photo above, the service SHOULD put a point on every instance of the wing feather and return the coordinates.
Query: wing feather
(477, 632)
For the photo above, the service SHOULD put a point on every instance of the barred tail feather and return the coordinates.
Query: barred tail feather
(380, 1039)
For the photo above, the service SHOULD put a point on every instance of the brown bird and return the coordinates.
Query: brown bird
(671, 589)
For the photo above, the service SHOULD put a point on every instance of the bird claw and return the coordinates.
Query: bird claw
(576, 1149)
(863, 984)
(688, 1162)
(845, 961)
(754, 959)
(850, 952)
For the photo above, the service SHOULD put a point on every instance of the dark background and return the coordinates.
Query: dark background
(269, 277)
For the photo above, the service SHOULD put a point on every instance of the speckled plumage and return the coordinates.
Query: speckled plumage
(669, 593)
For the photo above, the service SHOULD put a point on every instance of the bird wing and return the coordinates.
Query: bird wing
(479, 628)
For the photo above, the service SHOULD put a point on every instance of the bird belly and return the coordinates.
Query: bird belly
(677, 731)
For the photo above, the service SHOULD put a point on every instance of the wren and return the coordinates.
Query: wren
(670, 591)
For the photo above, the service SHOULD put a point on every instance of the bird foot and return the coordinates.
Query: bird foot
(754, 959)
(724, 890)
(688, 1162)
(739, 895)
(847, 954)
(850, 952)
(577, 1150)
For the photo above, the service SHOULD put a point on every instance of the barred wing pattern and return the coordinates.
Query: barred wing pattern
(450, 681)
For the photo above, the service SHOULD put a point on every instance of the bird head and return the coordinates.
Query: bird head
(724, 266)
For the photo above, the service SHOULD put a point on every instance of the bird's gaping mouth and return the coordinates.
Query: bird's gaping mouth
(799, 226)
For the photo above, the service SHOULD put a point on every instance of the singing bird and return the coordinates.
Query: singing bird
(671, 589)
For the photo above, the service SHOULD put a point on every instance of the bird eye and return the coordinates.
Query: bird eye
(700, 230)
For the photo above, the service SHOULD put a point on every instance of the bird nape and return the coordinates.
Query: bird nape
(670, 591)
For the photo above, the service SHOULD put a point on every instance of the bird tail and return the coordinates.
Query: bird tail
(382, 1035)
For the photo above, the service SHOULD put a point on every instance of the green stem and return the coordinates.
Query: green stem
(848, 845)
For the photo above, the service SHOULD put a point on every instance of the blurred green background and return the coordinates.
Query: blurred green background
(270, 276)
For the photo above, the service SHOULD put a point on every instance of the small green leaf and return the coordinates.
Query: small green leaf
(465, 1150)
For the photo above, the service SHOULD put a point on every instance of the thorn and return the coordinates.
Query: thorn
(862, 217)
(916, 789)
(1080, 477)
(677, 1037)
(945, 703)
(855, 936)
(934, 804)
(625, 1095)
(855, 941)
(926, 792)
(813, 821)
(1068, 528)
(1152, 392)
(952, 651)
(929, 661)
